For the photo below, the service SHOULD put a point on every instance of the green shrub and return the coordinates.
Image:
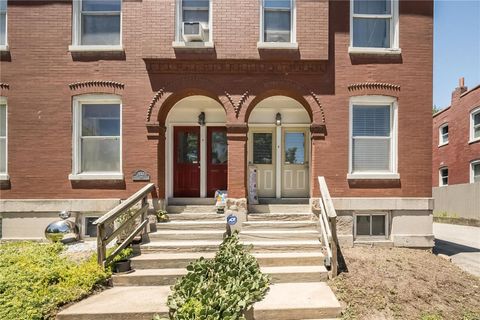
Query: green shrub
(221, 288)
(35, 280)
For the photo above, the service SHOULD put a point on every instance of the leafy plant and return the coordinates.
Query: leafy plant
(162, 216)
(221, 288)
(35, 280)
(124, 254)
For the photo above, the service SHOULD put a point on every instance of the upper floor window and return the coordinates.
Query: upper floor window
(97, 137)
(475, 125)
(97, 22)
(194, 21)
(277, 21)
(3, 139)
(443, 177)
(475, 171)
(443, 134)
(373, 137)
(3, 24)
(374, 24)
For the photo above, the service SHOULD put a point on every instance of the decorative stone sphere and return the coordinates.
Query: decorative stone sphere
(63, 230)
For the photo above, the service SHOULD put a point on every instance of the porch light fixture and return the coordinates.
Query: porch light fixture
(201, 118)
(278, 119)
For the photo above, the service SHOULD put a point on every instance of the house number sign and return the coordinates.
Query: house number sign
(141, 175)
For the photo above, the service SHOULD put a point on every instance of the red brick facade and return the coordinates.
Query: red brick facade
(151, 76)
(460, 151)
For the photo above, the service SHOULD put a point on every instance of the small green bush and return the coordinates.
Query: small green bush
(35, 280)
(221, 288)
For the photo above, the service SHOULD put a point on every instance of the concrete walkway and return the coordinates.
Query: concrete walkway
(461, 243)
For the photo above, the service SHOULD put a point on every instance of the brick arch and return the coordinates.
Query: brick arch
(374, 88)
(307, 98)
(4, 87)
(97, 86)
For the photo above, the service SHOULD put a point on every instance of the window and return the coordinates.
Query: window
(97, 23)
(475, 171)
(194, 22)
(371, 225)
(90, 228)
(475, 125)
(3, 24)
(443, 177)
(373, 138)
(294, 148)
(262, 148)
(3, 139)
(374, 24)
(97, 138)
(278, 21)
(443, 135)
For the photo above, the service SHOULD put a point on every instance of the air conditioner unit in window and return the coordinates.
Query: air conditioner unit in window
(194, 31)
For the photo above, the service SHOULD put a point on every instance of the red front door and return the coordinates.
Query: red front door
(186, 169)
(217, 157)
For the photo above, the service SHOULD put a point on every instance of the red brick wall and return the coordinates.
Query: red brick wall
(39, 69)
(458, 153)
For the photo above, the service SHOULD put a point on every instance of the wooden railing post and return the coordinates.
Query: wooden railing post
(101, 247)
(334, 247)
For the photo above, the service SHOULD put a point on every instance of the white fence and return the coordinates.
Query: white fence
(458, 201)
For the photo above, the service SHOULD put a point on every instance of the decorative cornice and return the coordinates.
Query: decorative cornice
(155, 99)
(319, 104)
(96, 83)
(233, 66)
(237, 106)
(5, 86)
(373, 85)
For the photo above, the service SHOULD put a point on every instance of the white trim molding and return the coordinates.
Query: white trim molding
(4, 175)
(472, 126)
(441, 140)
(376, 100)
(441, 176)
(292, 44)
(179, 42)
(394, 48)
(472, 169)
(77, 172)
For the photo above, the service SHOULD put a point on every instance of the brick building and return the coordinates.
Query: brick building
(195, 93)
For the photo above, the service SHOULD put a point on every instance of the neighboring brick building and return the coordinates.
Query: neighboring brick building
(94, 92)
(456, 155)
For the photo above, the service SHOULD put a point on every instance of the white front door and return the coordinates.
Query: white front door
(261, 151)
(294, 166)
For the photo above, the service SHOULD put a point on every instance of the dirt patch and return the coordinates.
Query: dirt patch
(397, 283)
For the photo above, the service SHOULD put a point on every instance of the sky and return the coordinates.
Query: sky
(456, 47)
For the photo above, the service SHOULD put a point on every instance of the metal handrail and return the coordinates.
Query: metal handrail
(328, 223)
(104, 237)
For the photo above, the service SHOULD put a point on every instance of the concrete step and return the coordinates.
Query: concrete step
(177, 246)
(279, 208)
(265, 259)
(273, 225)
(180, 234)
(120, 303)
(279, 234)
(161, 277)
(193, 225)
(192, 209)
(284, 245)
(298, 301)
(280, 216)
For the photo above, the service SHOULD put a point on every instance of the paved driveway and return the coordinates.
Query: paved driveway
(461, 243)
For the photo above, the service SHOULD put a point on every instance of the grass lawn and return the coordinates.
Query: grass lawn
(36, 279)
(397, 283)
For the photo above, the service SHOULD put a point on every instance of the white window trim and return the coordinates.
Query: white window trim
(179, 43)
(375, 100)
(293, 31)
(394, 32)
(472, 132)
(440, 180)
(76, 46)
(76, 135)
(472, 164)
(4, 47)
(440, 137)
(4, 175)
(367, 213)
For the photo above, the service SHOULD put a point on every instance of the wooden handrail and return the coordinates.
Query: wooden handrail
(104, 236)
(328, 224)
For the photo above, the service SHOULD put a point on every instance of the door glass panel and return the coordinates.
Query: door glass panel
(262, 148)
(294, 148)
(219, 147)
(187, 147)
(363, 225)
(378, 225)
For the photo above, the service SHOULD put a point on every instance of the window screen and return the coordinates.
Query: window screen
(277, 20)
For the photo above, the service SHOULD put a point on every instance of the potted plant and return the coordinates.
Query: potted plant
(162, 216)
(121, 262)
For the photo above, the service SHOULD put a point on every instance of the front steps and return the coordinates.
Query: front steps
(285, 243)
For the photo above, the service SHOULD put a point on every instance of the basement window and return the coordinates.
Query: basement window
(371, 225)
(90, 228)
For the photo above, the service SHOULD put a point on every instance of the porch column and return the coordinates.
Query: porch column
(317, 134)
(237, 159)
(157, 132)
